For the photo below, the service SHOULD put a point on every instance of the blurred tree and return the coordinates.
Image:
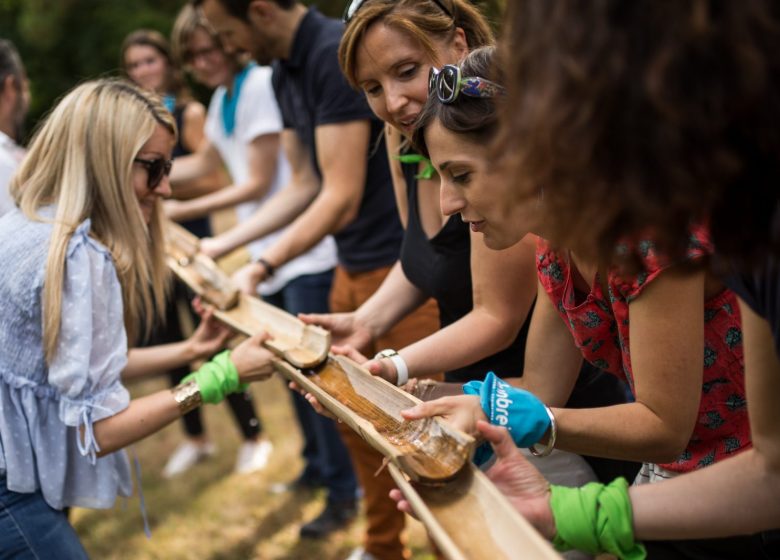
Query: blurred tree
(63, 42)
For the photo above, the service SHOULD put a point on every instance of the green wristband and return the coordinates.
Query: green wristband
(594, 519)
(217, 378)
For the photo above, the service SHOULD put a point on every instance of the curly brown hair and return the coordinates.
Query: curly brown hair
(645, 116)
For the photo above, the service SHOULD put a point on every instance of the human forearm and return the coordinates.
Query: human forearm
(468, 340)
(740, 495)
(552, 360)
(277, 212)
(201, 186)
(327, 214)
(153, 360)
(143, 417)
(191, 167)
(629, 431)
(217, 200)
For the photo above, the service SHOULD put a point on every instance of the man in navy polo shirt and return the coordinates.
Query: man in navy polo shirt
(341, 179)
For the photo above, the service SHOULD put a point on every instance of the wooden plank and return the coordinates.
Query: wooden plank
(429, 459)
(469, 519)
(304, 346)
(199, 272)
(427, 450)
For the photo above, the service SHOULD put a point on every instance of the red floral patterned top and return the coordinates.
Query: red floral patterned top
(600, 328)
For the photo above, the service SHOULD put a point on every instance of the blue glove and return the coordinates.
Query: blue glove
(519, 411)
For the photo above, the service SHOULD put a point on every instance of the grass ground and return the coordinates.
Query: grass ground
(212, 513)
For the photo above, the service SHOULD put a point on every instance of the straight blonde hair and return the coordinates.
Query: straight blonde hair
(80, 162)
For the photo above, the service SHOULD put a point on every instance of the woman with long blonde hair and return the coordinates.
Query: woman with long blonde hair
(86, 245)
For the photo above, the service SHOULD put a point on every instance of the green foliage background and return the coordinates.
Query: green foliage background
(63, 42)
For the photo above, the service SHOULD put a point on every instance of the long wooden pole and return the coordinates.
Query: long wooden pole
(429, 460)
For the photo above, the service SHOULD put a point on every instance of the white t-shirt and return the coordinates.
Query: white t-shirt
(257, 113)
(10, 157)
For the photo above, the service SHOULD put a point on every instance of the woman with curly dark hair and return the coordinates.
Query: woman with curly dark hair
(649, 115)
(668, 327)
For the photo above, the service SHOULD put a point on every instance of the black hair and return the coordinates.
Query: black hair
(239, 8)
(10, 62)
(474, 117)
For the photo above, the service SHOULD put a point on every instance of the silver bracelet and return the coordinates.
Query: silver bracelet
(401, 369)
(544, 452)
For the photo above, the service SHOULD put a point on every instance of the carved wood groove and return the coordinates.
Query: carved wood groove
(429, 459)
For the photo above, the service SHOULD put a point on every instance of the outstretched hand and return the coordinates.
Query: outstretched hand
(345, 329)
(211, 336)
(253, 361)
(462, 411)
(518, 480)
(248, 277)
(212, 247)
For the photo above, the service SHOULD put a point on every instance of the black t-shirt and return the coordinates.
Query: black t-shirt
(197, 226)
(760, 290)
(440, 267)
(312, 91)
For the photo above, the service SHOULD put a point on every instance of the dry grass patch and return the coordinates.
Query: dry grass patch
(211, 513)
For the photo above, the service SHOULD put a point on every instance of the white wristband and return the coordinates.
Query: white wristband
(402, 371)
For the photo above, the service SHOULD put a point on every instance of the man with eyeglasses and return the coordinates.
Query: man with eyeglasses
(341, 181)
(14, 102)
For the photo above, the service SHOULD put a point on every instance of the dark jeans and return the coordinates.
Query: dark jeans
(171, 330)
(31, 529)
(327, 459)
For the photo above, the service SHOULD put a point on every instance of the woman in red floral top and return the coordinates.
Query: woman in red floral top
(671, 331)
(597, 315)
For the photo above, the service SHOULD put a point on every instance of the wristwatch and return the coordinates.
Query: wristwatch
(401, 369)
(269, 268)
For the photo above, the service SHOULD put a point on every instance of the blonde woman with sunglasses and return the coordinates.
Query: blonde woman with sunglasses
(86, 246)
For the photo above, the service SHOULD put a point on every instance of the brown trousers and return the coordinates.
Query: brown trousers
(384, 523)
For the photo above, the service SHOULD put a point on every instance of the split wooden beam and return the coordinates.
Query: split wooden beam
(429, 459)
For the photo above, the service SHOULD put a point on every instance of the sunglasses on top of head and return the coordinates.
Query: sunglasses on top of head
(156, 169)
(448, 83)
(355, 5)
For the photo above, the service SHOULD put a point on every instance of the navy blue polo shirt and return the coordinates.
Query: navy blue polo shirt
(312, 91)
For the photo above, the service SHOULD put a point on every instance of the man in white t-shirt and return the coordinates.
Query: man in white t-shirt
(243, 129)
(14, 102)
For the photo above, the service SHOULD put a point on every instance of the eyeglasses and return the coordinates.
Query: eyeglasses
(156, 169)
(191, 57)
(448, 83)
(355, 5)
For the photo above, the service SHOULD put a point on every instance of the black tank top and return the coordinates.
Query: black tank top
(199, 226)
(440, 268)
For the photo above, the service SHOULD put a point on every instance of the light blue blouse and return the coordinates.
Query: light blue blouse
(42, 408)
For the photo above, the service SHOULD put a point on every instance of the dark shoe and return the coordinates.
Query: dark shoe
(301, 485)
(305, 483)
(335, 516)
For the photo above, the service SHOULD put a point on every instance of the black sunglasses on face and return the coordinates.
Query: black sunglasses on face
(355, 5)
(156, 169)
(448, 84)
